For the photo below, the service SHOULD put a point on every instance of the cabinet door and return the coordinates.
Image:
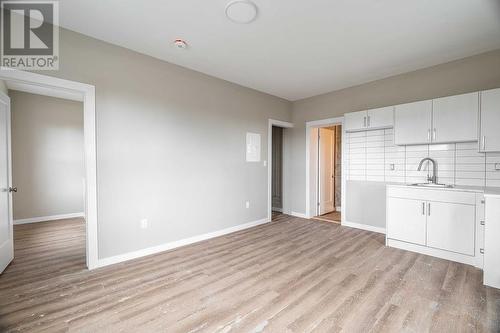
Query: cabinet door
(455, 118)
(406, 220)
(381, 117)
(412, 123)
(451, 227)
(490, 121)
(355, 121)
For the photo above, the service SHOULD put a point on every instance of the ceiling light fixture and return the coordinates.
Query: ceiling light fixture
(241, 11)
(180, 44)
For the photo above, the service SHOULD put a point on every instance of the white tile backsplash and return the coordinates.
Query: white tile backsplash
(372, 156)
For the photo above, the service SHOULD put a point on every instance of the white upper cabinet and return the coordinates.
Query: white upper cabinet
(368, 120)
(490, 121)
(381, 117)
(355, 121)
(455, 118)
(413, 123)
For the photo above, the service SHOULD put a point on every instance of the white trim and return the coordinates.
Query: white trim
(366, 227)
(271, 123)
(317, 124)
(49, 218)
(461, 258)
(89, 133)
(303, 216)
(175, 244)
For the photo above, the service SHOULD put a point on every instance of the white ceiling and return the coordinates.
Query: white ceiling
(295, 48)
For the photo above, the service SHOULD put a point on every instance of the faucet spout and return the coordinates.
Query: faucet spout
(433, 178)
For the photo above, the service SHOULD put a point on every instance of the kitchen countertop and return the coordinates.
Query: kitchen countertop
(488, 191)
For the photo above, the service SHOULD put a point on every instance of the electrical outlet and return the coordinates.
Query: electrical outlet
(392, 167)
(144, 224)
(247, 204)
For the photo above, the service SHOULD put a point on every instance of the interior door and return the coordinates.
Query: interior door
(6, 229)
(326, 146)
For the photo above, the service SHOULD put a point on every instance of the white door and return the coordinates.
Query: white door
(455, 118)
(6, 229)
(326, 146)
(490, 118)
(355, 121)
(406, 220)
(381, 117)
(451, 227)
(412, 123)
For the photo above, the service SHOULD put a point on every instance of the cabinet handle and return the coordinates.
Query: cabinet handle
(429, 135)
(368, 121)
(423, 208)
(483, 142)
(434, 135)
(364, 121)
(429, 209)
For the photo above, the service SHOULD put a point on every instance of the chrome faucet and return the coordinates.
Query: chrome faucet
(432, 179)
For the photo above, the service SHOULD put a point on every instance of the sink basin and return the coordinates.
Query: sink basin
(432, 185)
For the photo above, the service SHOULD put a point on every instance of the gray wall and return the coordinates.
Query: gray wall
(170, 145)
(3, 87)
(47, 155)
(461, 76)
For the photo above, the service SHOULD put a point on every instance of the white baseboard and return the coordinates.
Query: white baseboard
(298, 215)
(49, 218)
(172, 245)
(363, 227)
(461, 258)
(276, 209)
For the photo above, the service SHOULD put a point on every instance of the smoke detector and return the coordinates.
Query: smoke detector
(180, 44)
(241, 11)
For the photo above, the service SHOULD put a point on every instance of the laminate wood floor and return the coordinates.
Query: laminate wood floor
(291, 275)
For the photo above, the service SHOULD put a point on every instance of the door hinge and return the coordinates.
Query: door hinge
(482, 223)
(481, 251)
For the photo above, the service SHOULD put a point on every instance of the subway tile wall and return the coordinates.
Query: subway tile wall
(372, 156)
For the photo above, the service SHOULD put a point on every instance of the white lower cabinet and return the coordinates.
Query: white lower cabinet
(451, 226)
(439, 223)
(412, 212)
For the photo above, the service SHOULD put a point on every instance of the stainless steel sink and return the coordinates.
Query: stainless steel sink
(432, 185)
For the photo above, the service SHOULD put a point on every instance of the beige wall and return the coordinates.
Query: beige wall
(47, 155)
(170, 146)
(467, 75)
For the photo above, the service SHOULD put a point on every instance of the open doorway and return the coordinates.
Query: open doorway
(52, 160)
(329, 173)
(48, 171)
(277, 170)
(324, 165)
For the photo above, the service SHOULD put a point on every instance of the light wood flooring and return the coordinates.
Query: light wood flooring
(330, 217)
(291, 275)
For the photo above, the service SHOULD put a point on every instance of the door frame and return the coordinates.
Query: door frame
(285, 125)
(87, 92)
(311, 171)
